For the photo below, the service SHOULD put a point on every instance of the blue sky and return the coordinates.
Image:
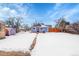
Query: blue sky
(41, 12)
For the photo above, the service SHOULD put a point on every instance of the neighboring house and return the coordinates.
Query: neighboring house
(40, 29)
(2, 30)
(10, 31)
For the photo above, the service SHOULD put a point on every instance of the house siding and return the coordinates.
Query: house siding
(39, 29)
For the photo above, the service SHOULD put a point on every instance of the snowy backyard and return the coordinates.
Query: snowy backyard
(47, 44)
(57, 44)
(19, 42)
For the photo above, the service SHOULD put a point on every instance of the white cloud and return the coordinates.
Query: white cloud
(18, 10)
(72, 12)
(6, 12)
(55, 10)
(13, 13)
(54, 14)
(57, 6)
(63, 12)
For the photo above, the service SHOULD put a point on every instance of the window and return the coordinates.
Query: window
(33, 28)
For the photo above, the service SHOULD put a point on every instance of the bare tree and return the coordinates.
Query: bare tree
(18, 23)
(14, 22)
(10, 22)
(61, 24)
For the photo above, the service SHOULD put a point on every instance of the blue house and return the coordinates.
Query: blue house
(40, 29)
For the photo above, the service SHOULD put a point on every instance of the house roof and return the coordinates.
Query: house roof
(43, 26)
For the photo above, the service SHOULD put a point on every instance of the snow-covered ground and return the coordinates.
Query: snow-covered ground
(19, 42)
(48, 44)
(56, 44)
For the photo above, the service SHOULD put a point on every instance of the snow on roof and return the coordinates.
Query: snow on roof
(43, 26)
(40, 26)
